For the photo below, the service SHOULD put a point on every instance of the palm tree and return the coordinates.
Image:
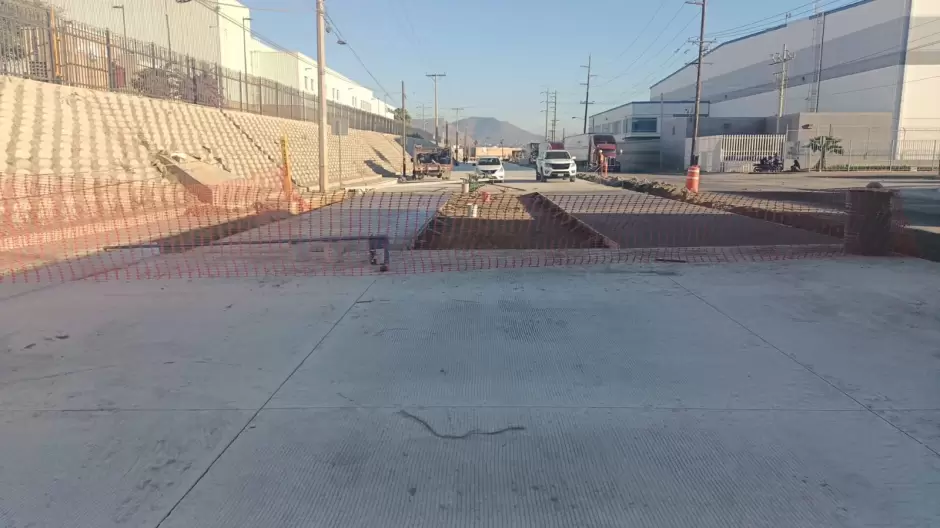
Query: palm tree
(825, 145)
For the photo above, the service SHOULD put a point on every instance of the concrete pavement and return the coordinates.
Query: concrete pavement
(775, 394)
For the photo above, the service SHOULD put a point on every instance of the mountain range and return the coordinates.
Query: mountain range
(485, 130)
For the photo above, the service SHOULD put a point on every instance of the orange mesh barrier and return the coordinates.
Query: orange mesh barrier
(62, 228)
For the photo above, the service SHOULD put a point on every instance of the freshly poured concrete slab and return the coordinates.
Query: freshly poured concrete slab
(655, 395)
(162, 345)
(545, 337)
(358, 467)
(871, 330)
(94, 469)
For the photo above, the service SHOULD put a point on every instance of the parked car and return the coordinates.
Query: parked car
(490, 169)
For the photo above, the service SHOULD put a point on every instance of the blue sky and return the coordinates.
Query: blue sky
(499, 54)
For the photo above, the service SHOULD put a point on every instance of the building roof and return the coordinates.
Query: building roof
(761, 32)
(643, 103)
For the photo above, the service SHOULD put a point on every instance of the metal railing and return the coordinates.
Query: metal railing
(35, 43)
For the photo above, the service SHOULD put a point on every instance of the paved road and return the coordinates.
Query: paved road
(920, 192)
(802, 181)
(519, 179)
(799, 394)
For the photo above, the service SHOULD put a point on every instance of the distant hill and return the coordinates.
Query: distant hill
(485, 130)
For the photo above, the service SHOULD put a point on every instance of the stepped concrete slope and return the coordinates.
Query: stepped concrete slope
(53, 130)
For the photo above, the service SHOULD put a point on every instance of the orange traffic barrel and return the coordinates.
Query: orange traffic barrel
(691, 178)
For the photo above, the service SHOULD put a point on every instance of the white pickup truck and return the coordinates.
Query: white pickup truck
(555, 164)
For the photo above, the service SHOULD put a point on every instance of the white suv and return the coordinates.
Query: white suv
(555, 164)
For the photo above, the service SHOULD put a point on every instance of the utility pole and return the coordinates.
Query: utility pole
(547, 101)
(457, 110)
(587, 94)
(404, 133)
(321, 92)
(423, 107)
(782, 59)
(554, 113)
(698, 83)
(435, 76)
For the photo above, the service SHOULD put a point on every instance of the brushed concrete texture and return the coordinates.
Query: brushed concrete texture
(871, 330)
(733, 395)
(585, 467)
(153, 345)
(548, 337)
(104, 468)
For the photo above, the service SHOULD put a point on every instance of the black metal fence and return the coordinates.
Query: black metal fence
(37, 44)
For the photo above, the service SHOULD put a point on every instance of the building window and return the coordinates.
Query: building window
(616, 127)
(354, 101)
(643, 125)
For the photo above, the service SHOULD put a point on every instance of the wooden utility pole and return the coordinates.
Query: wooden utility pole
(587, 94)
(435, 77)
(698, 83)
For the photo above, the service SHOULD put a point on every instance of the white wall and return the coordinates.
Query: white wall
(920, 101)
(854, 35)
(623, 113)
(218, 37)
(233, 40)
(194, 28)
(842, 94)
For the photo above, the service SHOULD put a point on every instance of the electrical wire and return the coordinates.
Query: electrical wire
(651, 44)
(271, 9)
(771, 21)
(639, 33)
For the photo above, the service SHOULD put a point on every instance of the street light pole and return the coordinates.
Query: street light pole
(245, 21)
(321, 91)
(123, 20)
(166, 14)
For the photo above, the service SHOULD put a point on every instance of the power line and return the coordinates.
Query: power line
(773, 20)
(648, 24)
(666, 46)
(886, 85)
(271, 9)
(627, 69)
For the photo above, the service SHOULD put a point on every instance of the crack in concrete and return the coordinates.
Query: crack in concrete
(468, 434)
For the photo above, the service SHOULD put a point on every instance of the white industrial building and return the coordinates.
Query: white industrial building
(868, 56)
(641, 119)
(218, 32)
